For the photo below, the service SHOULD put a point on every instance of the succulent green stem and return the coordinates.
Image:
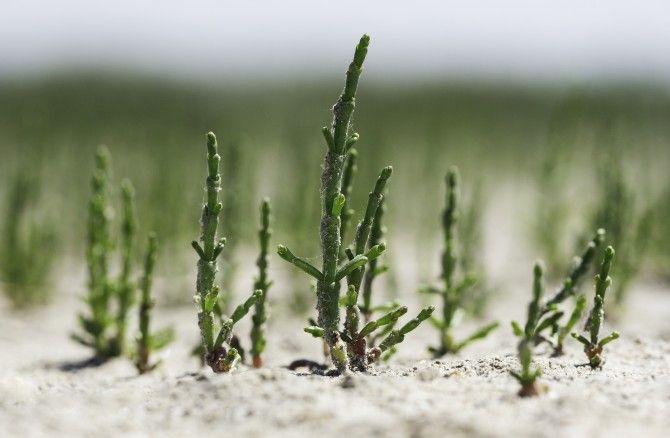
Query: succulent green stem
(337, 137)
(148, 342)
(347, 187)
(125, 288)
(580, 268)
(593, 347)
(376, 237)
(527, 377)
(262, 284)
(220, 359)
(99, 245)
(451, 291)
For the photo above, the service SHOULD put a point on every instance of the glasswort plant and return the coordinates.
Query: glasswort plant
(594, 347)
(262, 284)
(569, 288)
(99, 246)
(527, 377)
(452, 291)
(148, 342)
(220, 358)
(348, 347)
(26, 255)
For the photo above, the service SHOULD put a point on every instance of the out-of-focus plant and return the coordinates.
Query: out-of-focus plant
(99, 247)
(348, 346)
(148, 342)
(125, 288)
(551, 311)
(108, 299)
(470, 230)
(527, 376)
(26, 248)
(262, 284)
(452, 291)
(216, 348)
(593, 347)
(551, 210)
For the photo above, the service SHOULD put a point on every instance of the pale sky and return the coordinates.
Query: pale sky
(515, 39)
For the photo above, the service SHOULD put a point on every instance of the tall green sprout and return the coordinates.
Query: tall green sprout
(262, 284)
(99, 246)
(593, 347)
(348, 347)
(549, 329)
(108, 300)
(569, 288)
(527, 376)
(452, 291)
(26, 247)
(124, 285)
(218, 356)
(148, 342)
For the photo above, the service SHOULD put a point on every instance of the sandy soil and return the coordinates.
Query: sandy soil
(467, 395)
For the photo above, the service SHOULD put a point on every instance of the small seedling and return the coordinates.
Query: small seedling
(470, 229)
(217, 351)
(527, 376)
(26, 254)
(452, 291)
(594, 347)
(262, 284)
(148, 342)
(347, 347)
(106, 294)
(569, 288)
(99, 246)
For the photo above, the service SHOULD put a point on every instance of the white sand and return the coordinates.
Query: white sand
(469, 395)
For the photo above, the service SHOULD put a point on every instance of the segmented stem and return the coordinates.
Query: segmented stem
(331, 178)
(146, 303)
(125, 288)
(376, 237)
(99, 244)
(449, 219)
(262, 283)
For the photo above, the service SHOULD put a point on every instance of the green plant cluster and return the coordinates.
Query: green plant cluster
(27, 244)
(356, 331)
(348, 346)
(110, 298)
(452, 291)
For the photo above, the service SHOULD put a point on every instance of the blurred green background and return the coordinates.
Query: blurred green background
(548, 144)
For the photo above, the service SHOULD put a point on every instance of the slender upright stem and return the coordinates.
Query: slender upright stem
(347, 187)
(262, 283)
(449, 219)
(125, 288)
(146, 303)
(211, 248)
(337, 138)
(376, 237)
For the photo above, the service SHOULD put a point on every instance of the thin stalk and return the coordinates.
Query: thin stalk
(148, 342)
(451, 290)
(347, 187)
(593, 347)
(124, 286)
(98, 246)
(527, 377)
(262, 283)
(377, 233)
